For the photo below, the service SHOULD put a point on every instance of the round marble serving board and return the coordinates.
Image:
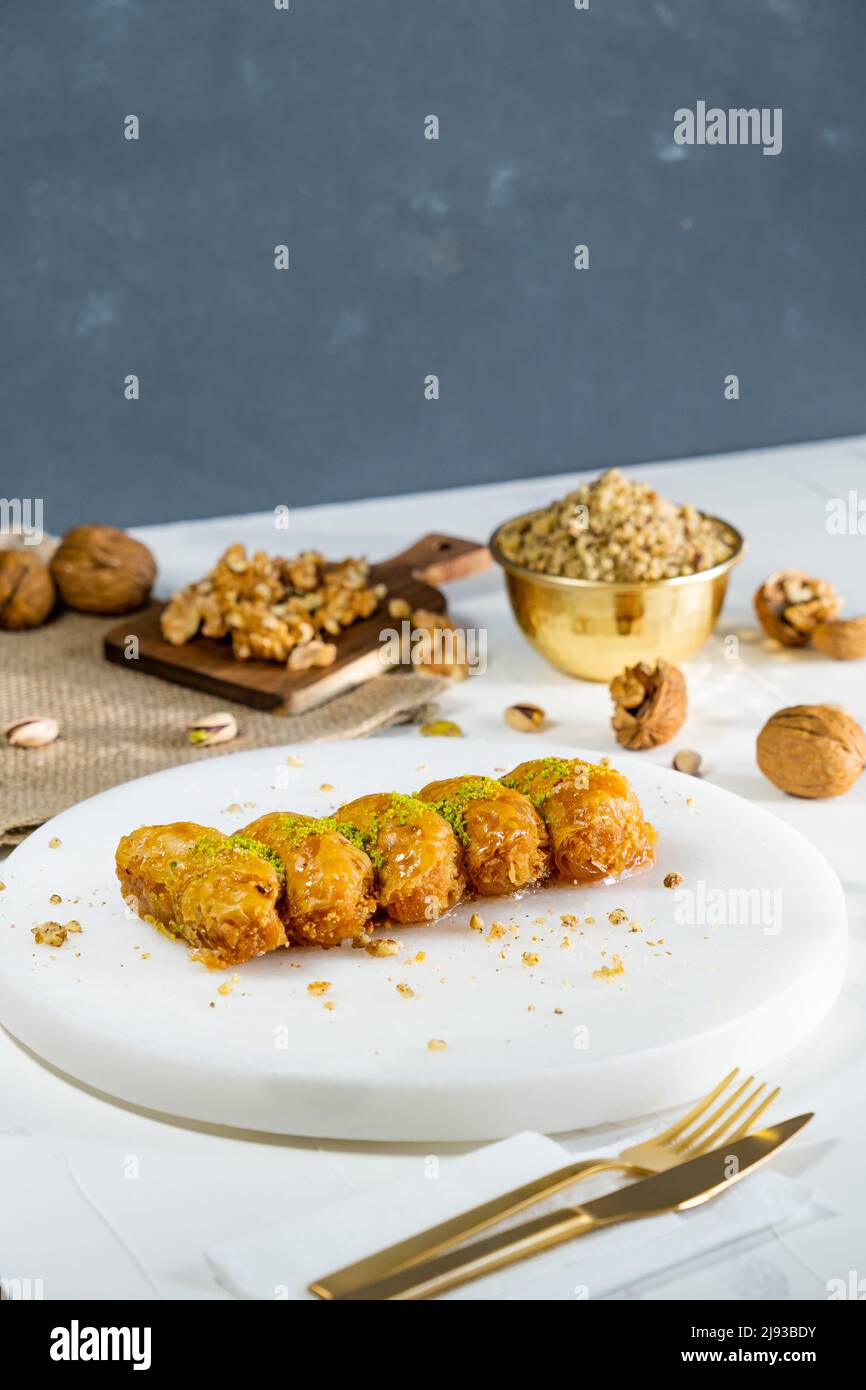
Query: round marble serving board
(735, 968)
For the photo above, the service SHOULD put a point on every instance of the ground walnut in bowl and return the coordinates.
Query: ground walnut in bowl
(613, 575)
(619, 530)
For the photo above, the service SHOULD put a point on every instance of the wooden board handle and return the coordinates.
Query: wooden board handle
(437, 559)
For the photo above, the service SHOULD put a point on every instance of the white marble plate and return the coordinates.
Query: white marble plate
(735, 968)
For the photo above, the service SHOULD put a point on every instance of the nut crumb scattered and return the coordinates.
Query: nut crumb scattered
(293, 761)
(326, 787)
(568, 919)
(476, 922)
(635, 926)
(496, 933)
(382, 946)
(673, 880)
(318, 987)
(608, 972)
(55, 898)
(436, 1045)
(53, 933)
(617, 916)
(530, 958)
(565, 944)
(590, 921)
(54, 843)
(329, 1004)
(406, 990)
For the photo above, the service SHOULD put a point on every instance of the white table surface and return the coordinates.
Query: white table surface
(160, 1190)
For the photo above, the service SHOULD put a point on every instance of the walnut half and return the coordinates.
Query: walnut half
(651, 704)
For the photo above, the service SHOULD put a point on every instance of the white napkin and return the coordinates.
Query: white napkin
(279, 1263)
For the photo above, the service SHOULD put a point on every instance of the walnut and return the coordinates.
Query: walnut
(651, 704)
(181, 618)
(437, 647)
(99, 569)
(26, 590)
(812, 750)
(843, 639)
(791, 604)
(312, 653)
(273, 607)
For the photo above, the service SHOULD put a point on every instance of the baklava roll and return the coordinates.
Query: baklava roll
(504, 839)
(415, 854)
(329, 881)
(595, 821)
(218, 893)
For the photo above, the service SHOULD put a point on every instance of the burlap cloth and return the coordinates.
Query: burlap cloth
(117, 724)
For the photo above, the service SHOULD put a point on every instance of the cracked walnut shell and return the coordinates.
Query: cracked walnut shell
(651, 704)
(99, 569)
(26, 590)
(791, 604)
(813, 751)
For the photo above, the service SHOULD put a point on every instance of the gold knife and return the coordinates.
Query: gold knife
(686, 1185)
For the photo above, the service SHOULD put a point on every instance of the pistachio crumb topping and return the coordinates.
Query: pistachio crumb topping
(542, 778)
(209, 847)
(453, 808)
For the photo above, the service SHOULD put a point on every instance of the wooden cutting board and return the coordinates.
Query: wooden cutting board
(207, 664)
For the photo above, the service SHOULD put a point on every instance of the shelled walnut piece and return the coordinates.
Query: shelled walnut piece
(436, 646)
(274, 608)
(812, 751)
(651, 704)
(790, 605)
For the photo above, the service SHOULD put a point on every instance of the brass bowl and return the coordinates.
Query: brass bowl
(594, 628)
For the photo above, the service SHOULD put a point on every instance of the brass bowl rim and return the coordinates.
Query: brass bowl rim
(567, 581)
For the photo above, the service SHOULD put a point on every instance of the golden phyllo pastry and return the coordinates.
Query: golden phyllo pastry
(328, 880)
(415, 854)
(503, 837)
(216, 892)
(595, 821)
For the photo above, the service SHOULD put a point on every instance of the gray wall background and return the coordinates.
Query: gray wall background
(411, 256)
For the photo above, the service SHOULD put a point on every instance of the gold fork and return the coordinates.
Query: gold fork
(717, 1122)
